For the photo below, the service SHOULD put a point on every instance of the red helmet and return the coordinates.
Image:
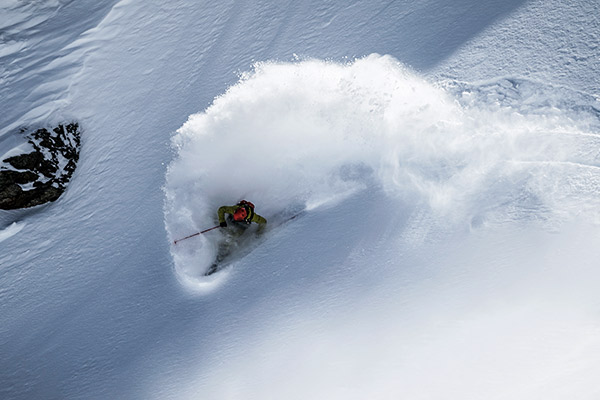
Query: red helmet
(240, 214)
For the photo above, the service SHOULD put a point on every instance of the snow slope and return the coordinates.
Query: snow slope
(451, 174)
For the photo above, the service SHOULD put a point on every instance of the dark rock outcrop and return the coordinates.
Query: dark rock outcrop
(40, 176)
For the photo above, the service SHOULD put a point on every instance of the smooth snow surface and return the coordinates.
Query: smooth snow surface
(446, 155)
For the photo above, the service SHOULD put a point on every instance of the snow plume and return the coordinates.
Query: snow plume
(313, 132)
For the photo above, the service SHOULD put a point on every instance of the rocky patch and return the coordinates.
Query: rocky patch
(41, 176)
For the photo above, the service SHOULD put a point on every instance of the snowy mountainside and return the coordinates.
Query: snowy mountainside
(446, 152)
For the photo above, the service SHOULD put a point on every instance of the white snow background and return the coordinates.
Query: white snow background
(447, 153)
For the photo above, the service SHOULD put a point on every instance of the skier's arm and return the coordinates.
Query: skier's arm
(224, 210)
(258, 219)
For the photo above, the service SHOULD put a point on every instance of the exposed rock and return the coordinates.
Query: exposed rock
(40, 176)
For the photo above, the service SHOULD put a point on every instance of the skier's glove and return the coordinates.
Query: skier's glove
(223, 224)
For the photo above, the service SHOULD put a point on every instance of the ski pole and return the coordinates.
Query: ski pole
(196, 234)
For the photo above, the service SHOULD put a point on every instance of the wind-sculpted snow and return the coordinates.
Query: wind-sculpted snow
(316, 132)
(11, 230)
(40, 51)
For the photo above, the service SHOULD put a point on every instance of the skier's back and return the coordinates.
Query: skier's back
(242, 212)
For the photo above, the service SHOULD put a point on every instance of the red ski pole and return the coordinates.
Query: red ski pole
(196, 234)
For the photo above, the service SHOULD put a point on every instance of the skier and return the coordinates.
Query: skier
(242, 212)
(241, 216)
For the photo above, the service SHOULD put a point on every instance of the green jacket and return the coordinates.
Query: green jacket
(231, 209)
